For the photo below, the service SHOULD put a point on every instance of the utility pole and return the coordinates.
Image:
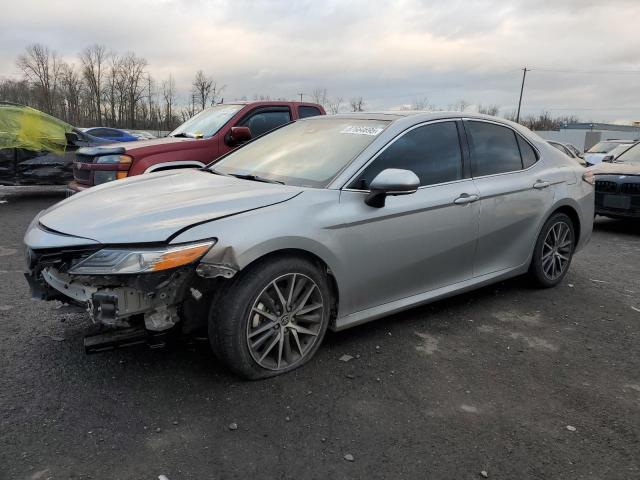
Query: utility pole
(301, 95)
(524, 75)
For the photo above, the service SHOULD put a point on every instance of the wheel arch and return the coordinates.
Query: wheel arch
(564, 207)
(309, 256)
(158, 167)
(572, 213)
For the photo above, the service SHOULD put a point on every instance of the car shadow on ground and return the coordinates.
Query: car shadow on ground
(193, 357)
(615, 225)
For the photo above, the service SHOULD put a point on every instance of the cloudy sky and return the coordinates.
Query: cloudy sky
(585, 54)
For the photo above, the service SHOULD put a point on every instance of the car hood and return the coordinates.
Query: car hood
(167, 144)
(605, 168)
(153, 207)
(594, 158)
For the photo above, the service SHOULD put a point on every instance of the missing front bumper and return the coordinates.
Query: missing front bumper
(118, 300)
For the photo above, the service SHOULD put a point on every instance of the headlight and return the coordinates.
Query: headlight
(589, 177)
(119, 166)
(121, 159)
(104, 176)
(115, 261)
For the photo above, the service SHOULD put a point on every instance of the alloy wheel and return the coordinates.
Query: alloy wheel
(556, 250)
(285, 321)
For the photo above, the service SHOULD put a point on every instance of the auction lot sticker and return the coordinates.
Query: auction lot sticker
(362, 130)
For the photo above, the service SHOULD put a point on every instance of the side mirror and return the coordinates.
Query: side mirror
(608, 159)
(391, 181)
(238, 135)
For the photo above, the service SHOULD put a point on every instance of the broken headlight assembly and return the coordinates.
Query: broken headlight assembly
(118, 261)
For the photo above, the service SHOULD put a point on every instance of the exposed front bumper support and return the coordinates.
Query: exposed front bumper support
(113, 301)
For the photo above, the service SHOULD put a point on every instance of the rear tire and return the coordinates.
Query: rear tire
(272, 318)
(553, 251)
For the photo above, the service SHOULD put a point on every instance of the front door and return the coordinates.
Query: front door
(417, 242)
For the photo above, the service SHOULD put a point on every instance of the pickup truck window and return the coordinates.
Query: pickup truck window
(305, 111)
(206, 123)
(265, 121)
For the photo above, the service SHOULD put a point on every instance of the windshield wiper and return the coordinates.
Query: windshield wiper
(255, 178)
(216, 172)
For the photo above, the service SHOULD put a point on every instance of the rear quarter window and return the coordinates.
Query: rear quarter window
(529, 155)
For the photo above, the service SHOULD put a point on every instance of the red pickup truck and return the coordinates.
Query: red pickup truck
(197, 142)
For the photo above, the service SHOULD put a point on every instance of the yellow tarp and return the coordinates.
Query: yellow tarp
(31, 129)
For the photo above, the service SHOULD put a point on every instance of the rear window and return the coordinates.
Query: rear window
(305, 111)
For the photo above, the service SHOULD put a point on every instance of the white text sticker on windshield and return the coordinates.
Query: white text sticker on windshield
(361, 130)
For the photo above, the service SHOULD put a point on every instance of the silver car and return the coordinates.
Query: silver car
(328, 222)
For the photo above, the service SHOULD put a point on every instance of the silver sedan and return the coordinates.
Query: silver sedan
(328, 222)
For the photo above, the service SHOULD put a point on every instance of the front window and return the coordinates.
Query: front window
(432, 152)
(206, 123)
(630, 156)
(306, 153)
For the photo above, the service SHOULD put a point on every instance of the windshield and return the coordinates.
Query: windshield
(206, 123)
(603, 147)
(632, 155)
(619, 150)
(306, 153)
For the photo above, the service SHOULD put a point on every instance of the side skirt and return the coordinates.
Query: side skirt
(370, 314)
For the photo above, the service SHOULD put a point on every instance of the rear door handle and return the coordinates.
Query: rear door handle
(466, 198)
(540, 184)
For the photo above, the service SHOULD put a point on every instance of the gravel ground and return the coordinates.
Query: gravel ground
(514, 382)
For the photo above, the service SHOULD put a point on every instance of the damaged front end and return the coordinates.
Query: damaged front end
(120, 287)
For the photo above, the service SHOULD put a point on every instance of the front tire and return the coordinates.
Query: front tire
(272, 318)
(553, 251)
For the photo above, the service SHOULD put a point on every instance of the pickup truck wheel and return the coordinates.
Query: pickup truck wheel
(272, 319)
(553, 251)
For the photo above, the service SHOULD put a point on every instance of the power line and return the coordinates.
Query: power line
(587, 72)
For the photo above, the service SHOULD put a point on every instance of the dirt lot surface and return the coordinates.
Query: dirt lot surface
(516, 382)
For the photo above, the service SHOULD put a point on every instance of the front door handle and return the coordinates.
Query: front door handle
(540, 184)
(466, 198)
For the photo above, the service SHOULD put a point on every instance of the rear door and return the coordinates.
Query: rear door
(417, 242)
(515, 195)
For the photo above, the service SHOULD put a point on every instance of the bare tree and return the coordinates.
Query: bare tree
(421, 104)
(357, 104)
(93, 64)
(71, 93)
(319, 95)
(133, 75)
(488, 109)
(206, 90)
(42, 67)
(334, 105)
(169, 96)
(459, 106)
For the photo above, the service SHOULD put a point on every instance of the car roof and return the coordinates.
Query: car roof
(408, 118)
